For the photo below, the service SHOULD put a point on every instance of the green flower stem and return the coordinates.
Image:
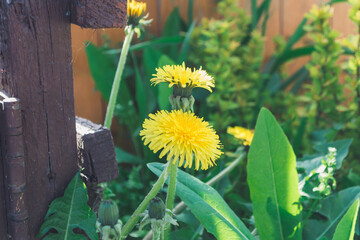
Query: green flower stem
(170, 197)
(144, 204)
(117, 79)
(181, 206)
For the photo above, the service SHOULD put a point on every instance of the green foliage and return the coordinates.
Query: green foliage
(230, 48)
(233, 57)
(208, 206)
(346, 228)
(273, 181)
(325, 93)
(329, 213)
(68, 213)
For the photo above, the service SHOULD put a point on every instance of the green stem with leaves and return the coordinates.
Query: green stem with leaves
(130, 224)
(181, 206)
(117, 80)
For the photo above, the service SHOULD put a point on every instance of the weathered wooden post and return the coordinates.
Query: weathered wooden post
(36, 68)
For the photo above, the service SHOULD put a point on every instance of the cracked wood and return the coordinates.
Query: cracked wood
(35, 58)
(99, 14)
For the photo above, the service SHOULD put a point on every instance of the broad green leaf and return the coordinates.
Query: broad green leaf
(124, 157)
(102, 69)
(254, 14)
(150, 60)
(263, 9)
(309, 163)
(208, 206)
(337, 1)
(172, 28)
(140, 91)
(291, 54)
(184, 51)
(332, 209)
(190, 11)
(69, 212)
(345, 230)
(342, 147)
(273, 181)
(164, 91)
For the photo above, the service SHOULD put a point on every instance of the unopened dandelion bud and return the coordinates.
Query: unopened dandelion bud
(108, 213)
(156, 208)
(182, 103)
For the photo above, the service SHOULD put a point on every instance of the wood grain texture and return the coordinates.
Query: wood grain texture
(99, 14)
(96, 151)
(14, 165)
(36, 60)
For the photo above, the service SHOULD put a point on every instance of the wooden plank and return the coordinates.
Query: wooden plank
(3, 188)
(35, 56)
(96, 151)
(341, 21)
(99, 14)
(14, 164)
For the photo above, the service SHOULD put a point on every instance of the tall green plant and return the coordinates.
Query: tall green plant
(231, 54)
(325, 92)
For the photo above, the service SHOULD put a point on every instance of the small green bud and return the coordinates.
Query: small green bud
(156, 208)
(108, 213)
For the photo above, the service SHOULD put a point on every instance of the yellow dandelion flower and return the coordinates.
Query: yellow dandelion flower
(243, 134)
(182, 136)
(183, 77)
(135, 9)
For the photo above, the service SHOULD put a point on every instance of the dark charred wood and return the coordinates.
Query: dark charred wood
(99, 14)
(96, 151)
(35, 63)
(13, 162)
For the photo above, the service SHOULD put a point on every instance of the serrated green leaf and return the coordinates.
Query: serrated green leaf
(69, 212)
(332, 209)
(208, 206)
(345, 230)
(273, 181)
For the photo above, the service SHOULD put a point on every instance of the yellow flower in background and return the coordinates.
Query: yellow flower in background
(135, 9)
(183, 77)
(243, 134)
(184, 136)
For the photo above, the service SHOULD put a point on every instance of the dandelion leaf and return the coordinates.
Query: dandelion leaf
(68, 213)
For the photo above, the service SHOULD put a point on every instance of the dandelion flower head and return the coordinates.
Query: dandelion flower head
(135, 9)
(182, 136)
(244, 135)
(183, 77)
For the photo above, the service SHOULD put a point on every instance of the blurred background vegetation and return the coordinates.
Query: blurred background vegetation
(261, 53)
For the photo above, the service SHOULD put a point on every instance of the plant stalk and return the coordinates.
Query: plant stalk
(144, 204)
(117, 79)
(170, 197)
(181, 206)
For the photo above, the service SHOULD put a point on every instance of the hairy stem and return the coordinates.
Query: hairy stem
(117, 79)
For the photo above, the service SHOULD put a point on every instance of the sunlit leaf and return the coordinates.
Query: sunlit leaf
(273, 181)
